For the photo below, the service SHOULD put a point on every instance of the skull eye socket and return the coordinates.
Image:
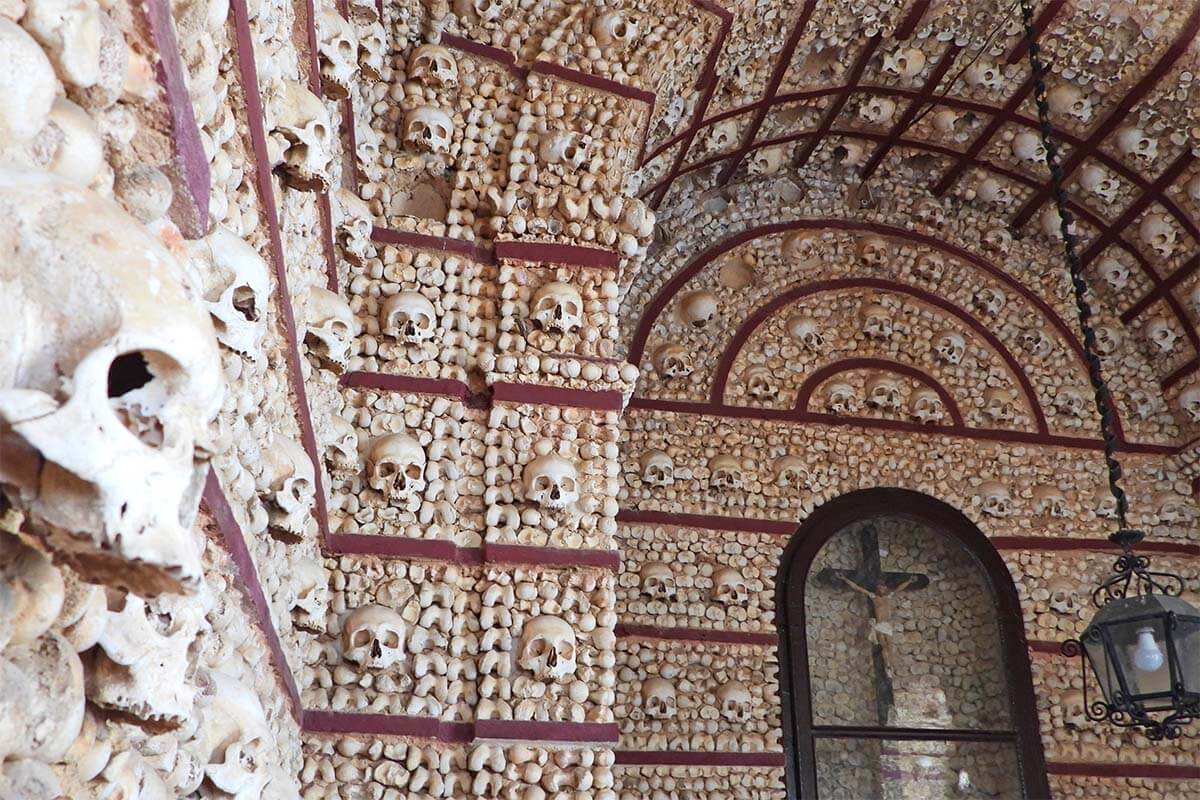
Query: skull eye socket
(361, 638)
(390, 640)
(245, 303)
(139, 389)
(413, 472)
(541, 483)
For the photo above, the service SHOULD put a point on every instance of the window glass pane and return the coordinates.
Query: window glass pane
(887, 769)
(901, 631)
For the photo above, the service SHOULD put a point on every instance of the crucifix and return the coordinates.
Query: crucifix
(878, 587)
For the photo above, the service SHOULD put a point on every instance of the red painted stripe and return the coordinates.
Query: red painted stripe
(532, 731)
(554, 253)
(551, 556)
(405, 383)
(331, 260)
(697, 635)
(695, 758)
(1040, 24)
(235, 544)
(425, 242)
(972, 152)
(1183, 371)
(804, 396)
(456, 42)
(709, 521)
(908, 25)
(597, 82)
(1064, 543)
(444, 550)
(387, 725)
(1118, 769)
(540, 394)
(1047, 648)
(1168, 284)
(835, 108)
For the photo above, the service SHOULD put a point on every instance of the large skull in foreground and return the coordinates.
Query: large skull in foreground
(109, 376)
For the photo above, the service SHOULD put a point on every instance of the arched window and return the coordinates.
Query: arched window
(904, 667)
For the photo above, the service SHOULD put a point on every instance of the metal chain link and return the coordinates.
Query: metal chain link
(1104, 401)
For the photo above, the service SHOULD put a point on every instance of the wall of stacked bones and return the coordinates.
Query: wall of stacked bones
(321, 473)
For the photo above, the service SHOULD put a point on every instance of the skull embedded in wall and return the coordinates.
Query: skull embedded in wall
(799, 248)
(1161, 334)
(1070, 403)
(760, 384)
(331, 328)
(985, 75)
(290, 479)
(557, 307)
(408, 317)
(658, 581)
(353, 217)
(1104, 505)
(931, 212)
(373, 637)
(735, 701)
(127, 372)
(480, 11)
(989, 300)
(951, 347)
(672, 361)
(874, 251)
(840, 398)
(994, 499)
(1064, 596)
(1049, 501)
(804, 329)
(994, 191)
(396, 467)
(372, 46)
(563, 147)
(997, 241)
(1158, 234)
(1097, 180)
(433, 65)
(303, 121)
(1145, 404)
(236, 291)
(615, 28)
(339, 54)
(658, 698)
(877, 321)
(878, 110)
(1114, 273)
(657, 468)
(341, 456)
(1171, 508)
(1027, 146)
(548, 648)
(1074, 710)
(884, 393)
(729, 587)
(1108, 339)
(551, 481)
(1136, 146)
(848, 153)
(722, 135)
(999, 405)
(698, 308)
(1051, 223)
(930, 267)
(791, 472)
(905, 63)
(235, 742)
(725, 473)
(925, 406)
(1069, 100)
(310, 594)
(428, 129)
(1189, 402)
(766, 160)
(1037, 341)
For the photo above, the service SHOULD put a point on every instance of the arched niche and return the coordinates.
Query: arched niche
(904, 668)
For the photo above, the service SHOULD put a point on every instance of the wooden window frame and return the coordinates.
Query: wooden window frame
(799, 732)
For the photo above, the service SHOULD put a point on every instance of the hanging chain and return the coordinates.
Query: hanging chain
(1104, 400)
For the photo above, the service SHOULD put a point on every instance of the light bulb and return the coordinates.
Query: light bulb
(1148, 657)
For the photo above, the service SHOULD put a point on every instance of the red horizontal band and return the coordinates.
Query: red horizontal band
(714, 636)
(693, 758)
(1120, 770)
(709, 521)
(443, 550)
(541, 394)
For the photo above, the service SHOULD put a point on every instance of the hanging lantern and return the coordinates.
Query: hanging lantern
(1143, 645)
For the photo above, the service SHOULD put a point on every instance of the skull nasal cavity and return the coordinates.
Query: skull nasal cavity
(128, 372)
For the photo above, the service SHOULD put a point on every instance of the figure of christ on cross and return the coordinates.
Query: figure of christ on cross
(878, 587)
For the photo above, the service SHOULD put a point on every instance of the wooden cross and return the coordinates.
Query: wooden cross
(878, 587)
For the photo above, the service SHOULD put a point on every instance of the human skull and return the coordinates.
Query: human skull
(799, 247)
(234, 742)
(551, 481)
(760, 384)
(1108, 339)
(905, 63)
(925, 405)
(373, 637)
(428, 129)
(558, 307)
(1064, 596)
(994, 499)
(289, 479)
(1161, 334)
(1189, 401)
(997, 241)
(1145, 404)
(994, 192)
(729, 587)
(658, 581)
(884, 393)
(766, 160)
(848, 153)
(877, 321)
(672, 361)
(480, 11)
(1037, 341)
(874, 251)
(1158, 234)
(353, 219)
(1135, 145)
(840, 398)
(1074, 710)
(237, 289)
(303, 122)
(339, 54)
(548, 648)
(433, 65)
(309, 583)
(396, 467)
(1171, 508)
(141, 664)
(1097, 180)
(989, 300)
(1070, 402)
(722, 135)
(408, 317)
(804, 329)
(930, 266)
(615, 28)
(931, 212)
(945, 122)
(372, 47)
(1114, 273)
(698, 308)
(725, 473)
(1069, 100)
(331, 328)
(985, 75)
(657, 468)
(999, 405)
(1104, 505)
(1049, 501)
(951, 347)
(341, 455)
(563, 147)
(105, 450)
(658, 698)
(878, 110)
(735, 701)
(791, 472)
(1027, 146)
